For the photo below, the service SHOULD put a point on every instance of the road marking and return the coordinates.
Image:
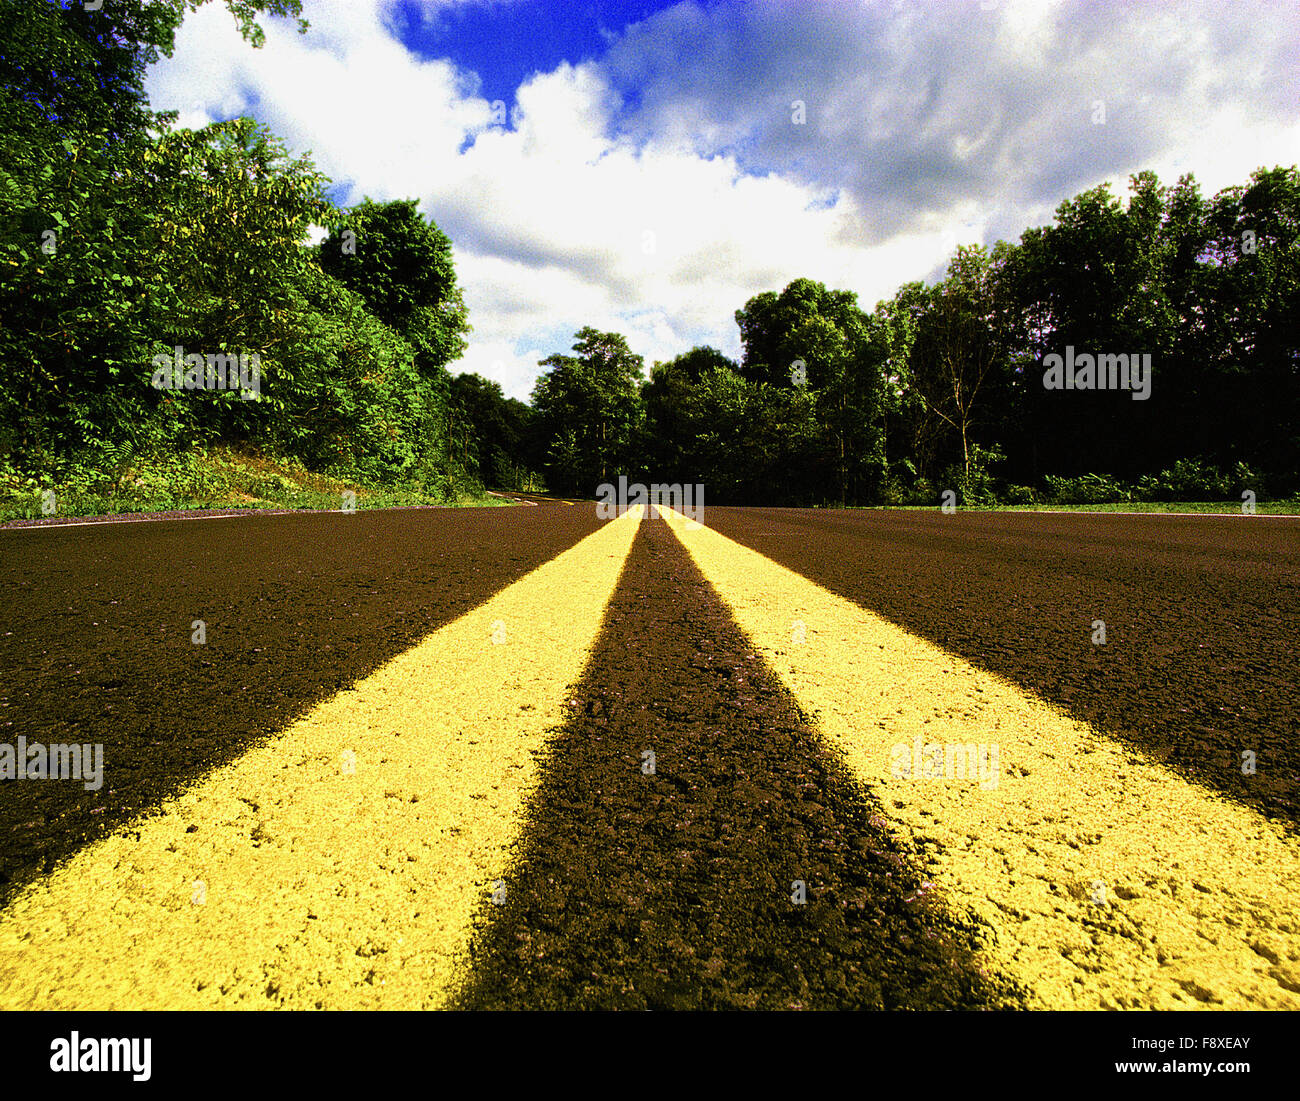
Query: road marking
(64, 524)
(1107, 879)
(340, 864)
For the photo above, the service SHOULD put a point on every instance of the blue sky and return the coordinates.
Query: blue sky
(506, 43)
(662, 163)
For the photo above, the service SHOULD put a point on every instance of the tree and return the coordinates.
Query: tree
(670, 446)
(125, 273)
(1252, 273)
(954, 350)
(814, 337)
(66, 70)
(495, 429)
(774, 330)
(588, 412)
(123, 237)
(76, 142)
(402, 267)
(1095, 281)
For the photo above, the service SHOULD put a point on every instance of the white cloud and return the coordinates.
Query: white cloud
(928, 126)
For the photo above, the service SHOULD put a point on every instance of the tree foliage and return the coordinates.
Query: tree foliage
(124, 238)
(587, 413)
(942, 385)
(402, 267)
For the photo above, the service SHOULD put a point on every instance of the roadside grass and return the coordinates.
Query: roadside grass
(1224, 508)
(214, 478)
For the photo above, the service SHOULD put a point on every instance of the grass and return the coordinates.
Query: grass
(1225, 508)
(215, 478)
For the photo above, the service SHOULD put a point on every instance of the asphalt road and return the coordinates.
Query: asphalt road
(495, 681)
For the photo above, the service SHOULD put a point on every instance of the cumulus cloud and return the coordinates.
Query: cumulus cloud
(920, 109)
(655, 189)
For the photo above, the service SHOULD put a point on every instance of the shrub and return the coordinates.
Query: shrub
(976, 486)
(1196, 480)
(1086, 489)
(1019, 495)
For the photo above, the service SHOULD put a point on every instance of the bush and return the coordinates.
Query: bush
(903, 486)
(1195, 480)
(976, 487)
(1020, 495)
(1087, 489)
(1243, 478)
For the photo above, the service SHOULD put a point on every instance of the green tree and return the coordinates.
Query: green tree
(955, 348)
(76, 281)
(1251, 274)
(115, 265)
(66, 70)
(588, 412)
(670, 447)
(402, 267)
(809, 336)
(494, 430)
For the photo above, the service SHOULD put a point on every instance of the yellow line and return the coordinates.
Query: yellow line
(1109, 880)
(340, 864)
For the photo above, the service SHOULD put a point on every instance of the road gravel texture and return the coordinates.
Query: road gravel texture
(675, 889)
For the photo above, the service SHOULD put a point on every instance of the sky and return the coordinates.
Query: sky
(647, 167)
